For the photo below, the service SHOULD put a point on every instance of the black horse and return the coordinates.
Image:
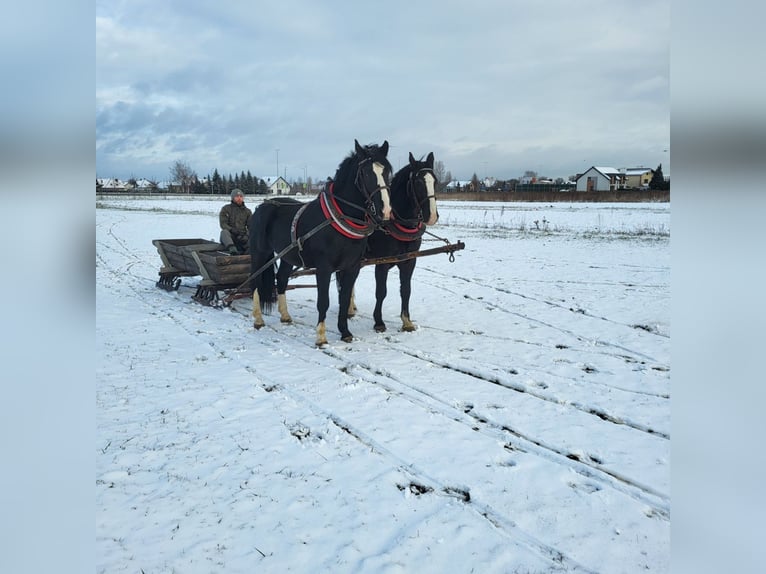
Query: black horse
(413, 206)
(328, 234)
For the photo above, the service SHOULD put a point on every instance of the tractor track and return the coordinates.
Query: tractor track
(294, 342)
(496, 379)
(587, 466)
(419, 476)
(567, 332)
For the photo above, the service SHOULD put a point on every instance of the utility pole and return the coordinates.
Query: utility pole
(277, 162)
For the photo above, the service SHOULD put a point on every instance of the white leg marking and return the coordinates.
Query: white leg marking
(430, 179)
(284, 316)
(378, 169)
(258, 322)
(321, 335)
(352, 305)
(407, 325)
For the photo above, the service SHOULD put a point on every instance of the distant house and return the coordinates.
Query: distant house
(110, 184)
(145, 185)
(458, 185)
(601, 179)
(277, 185)
(610, 179)
(638, 176)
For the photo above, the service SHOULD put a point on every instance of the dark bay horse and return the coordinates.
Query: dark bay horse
(413, 206)
(328, 234)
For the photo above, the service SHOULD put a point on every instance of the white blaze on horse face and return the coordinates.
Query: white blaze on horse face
(430, 181)
(378, 169)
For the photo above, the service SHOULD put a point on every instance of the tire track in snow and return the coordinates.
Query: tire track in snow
(470, 371)
(585, 465)
(418, 475)
(625, 357)
(496, 379)
(531, 319)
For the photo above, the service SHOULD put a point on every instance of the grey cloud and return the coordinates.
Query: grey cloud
(494, 86)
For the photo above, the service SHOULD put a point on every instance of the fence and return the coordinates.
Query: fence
(618, 196)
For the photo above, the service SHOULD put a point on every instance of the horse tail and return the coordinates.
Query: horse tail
(261, 253)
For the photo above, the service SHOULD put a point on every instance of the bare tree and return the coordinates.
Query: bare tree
(530, 175)
(475, 183)
(439, 170)
(182, 174)
(443, 177)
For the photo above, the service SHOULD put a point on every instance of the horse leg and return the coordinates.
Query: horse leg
(406, 269)
(258, 321)
(284, 315)
(381, 276)
(323, 303)
(352, 305)
(283, 276)
(261, 284)
(347, 281)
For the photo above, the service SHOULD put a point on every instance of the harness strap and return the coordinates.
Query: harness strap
(403, 233)
(340, 222)
(294, 232)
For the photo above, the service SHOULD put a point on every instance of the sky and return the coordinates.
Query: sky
(525, 426)
(493, 88)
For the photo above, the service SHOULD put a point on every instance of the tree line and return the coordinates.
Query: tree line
(187, 181)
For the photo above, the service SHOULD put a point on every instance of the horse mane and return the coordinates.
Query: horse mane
(347, 167)
(401, 177)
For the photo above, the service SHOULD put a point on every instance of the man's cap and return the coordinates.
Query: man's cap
(236, 192)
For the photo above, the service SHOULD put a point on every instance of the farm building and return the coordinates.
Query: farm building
(610, 179)
(277, 185)
(638, 176)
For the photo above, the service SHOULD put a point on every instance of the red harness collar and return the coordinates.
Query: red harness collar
(403, 233)
(342, 223)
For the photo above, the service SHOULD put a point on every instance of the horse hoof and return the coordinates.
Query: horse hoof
(408, 328)
(258, 325)
(347, 338)
(288, 320)
(380, 328)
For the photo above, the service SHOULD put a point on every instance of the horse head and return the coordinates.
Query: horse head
(419, 202)
(373, 179)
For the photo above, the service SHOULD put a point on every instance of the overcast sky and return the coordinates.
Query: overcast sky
(492, 87)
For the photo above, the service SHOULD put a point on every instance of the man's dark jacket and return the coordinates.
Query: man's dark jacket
(234, 218)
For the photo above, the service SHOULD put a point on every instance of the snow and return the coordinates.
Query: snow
(524, 427)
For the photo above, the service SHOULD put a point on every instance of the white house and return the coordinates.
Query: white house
(110, 183)
(601, 179)
(277, 185)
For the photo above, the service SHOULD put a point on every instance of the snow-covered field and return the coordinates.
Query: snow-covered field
(524, 427)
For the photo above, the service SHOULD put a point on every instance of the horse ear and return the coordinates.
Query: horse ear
(412, 159)
(359, 149)
(430, 160)
(384, 147)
